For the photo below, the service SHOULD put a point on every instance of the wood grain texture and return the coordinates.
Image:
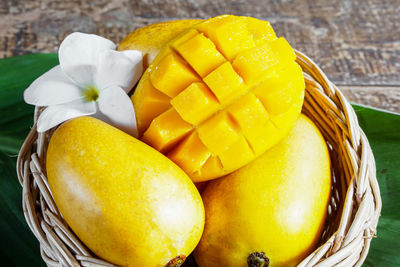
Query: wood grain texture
(357, 43)
(383, 97)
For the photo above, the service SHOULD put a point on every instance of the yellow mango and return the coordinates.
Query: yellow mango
(126, 202)
(273, 209)
(234, 82)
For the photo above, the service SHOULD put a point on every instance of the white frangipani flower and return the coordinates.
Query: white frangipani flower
(92, 79)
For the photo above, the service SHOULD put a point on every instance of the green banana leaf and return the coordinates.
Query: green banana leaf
(18, 246)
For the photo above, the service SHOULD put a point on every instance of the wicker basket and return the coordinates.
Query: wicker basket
(353, 212)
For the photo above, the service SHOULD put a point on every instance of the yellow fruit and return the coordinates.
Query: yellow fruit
(275, 205)
(150, 39)
(232, 89)
(127, 202)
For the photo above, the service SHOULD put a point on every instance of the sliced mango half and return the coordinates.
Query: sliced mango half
(219, 95)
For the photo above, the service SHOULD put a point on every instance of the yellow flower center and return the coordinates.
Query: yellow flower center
(90, 93)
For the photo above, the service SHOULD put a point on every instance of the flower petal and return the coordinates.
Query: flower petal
(116, 108)
(78, 55)
(52, 88)
(122, 69)
(54, 115)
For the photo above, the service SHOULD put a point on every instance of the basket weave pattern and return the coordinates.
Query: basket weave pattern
(353, 211)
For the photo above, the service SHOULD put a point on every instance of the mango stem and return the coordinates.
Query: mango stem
(257, 259)
(177, 261)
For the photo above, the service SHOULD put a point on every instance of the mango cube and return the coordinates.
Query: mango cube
(253, 64)
(218, 133)
(212, 168)
(249, 113)
(195, 103)
(261, 30)
(229, 34)
(267, 136)
(280, 90)
(149, 103)
(163, 77)
(283, 51)
(166, 130)
(230, 157)
(284, 121)
(201, 54)
(190, 154)
(225, 83)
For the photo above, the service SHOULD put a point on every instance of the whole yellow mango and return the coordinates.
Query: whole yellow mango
(127, 202)
(273, 209)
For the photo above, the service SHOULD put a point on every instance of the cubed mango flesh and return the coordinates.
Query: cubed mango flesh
(149, 104)
(212, 168)
(218, 133)
(284, 121)
(257, 140)
(249, 113)
(228, 90)
(164, 76)
(281, 89)
(229, 33)
(261, 30)
(190, 153)
(166, 130)
(230, 157)
(195, 103)
(201, 54)
(225, 83)
(253, 64)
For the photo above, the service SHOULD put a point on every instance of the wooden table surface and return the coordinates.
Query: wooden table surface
(356, 43)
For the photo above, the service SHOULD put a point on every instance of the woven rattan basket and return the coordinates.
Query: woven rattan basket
(353, 212)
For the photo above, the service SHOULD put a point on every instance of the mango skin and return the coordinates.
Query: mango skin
(150, 39)
(127, 202)
(276, 204)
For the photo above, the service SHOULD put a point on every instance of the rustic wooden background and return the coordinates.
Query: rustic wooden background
(357, 43)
